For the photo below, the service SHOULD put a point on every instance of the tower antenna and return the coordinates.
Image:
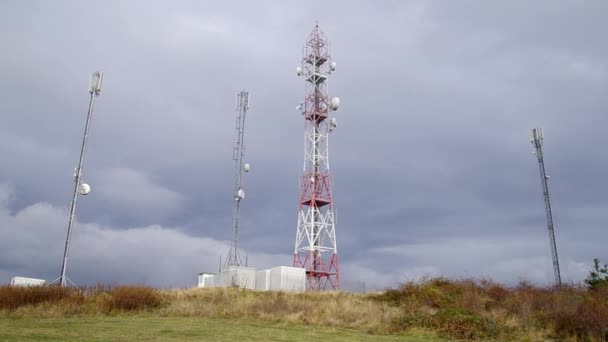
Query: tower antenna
(238, 155)
(536, 137)
(79, 187)
(315, 245)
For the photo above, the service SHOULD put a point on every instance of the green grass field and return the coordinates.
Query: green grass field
(154, 328)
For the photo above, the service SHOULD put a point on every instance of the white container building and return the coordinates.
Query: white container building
(282, 278)
(23, 281)
(243, 277)
(291, 279)
(206, 279)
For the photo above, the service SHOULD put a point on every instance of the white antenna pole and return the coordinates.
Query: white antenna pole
(536, 138)
(94, 90)
(238, 155)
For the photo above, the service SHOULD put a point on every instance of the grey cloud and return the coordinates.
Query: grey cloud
(32, 244)
(133, 195)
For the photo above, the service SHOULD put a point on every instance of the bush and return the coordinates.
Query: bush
(495, 291)
(129, 298)
(590, 321)
(463, 324)
(452, 323)
(435, 293)
(598, 277)
(391, 296)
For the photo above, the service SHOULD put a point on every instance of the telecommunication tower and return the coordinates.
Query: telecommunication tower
(80, 188)
(238, 155)
(536, 137)
(315, 247)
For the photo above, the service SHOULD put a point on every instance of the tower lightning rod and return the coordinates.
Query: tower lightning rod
(238, 155)
(79, 187)
(536, 137)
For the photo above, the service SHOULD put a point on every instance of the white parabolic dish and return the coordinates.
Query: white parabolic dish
(85, 189)
(334, 103)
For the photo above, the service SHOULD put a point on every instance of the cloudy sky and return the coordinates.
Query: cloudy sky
(433, 168)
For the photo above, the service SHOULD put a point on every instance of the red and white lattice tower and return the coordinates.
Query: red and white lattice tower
(315, 248)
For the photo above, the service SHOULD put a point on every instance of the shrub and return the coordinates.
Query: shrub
(391, 296)
(598, 277)
(463, 324)
(590, 321)
(452, 323)
(130, 298)
(526, 301)
(435, 293)
(495, 291)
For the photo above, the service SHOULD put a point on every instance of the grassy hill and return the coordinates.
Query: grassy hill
(433, 310)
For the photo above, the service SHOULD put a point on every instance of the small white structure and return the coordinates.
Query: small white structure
(22, 281)
(291, 279)
(282, 278)
(205, 279)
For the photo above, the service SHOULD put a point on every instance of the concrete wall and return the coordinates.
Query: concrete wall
(262, 280)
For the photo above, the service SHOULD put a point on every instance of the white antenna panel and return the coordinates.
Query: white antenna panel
(95, 82)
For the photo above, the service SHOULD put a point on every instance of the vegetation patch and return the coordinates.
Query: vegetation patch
(457, 309)
(12, 297)
(129, 298)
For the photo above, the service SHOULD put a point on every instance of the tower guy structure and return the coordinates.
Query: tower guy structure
(536, 137)
(238, 155)
(315, 247)
(80, 188)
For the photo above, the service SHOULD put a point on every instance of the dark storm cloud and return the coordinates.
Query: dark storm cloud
(433, 170)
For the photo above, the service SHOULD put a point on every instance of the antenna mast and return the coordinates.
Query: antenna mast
(536, 137)
(238, 155)
(79, 187)
(315, 245)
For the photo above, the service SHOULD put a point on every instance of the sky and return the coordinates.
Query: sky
(432, 164)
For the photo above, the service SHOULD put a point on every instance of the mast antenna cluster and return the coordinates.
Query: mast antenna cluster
(536, 138)
(315, 246)
(80, 188)
(238, 155)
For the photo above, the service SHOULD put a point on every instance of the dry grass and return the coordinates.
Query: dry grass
(338, 309)
(14, 297)
(128, 298)
(55, 301)
(463, 309)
